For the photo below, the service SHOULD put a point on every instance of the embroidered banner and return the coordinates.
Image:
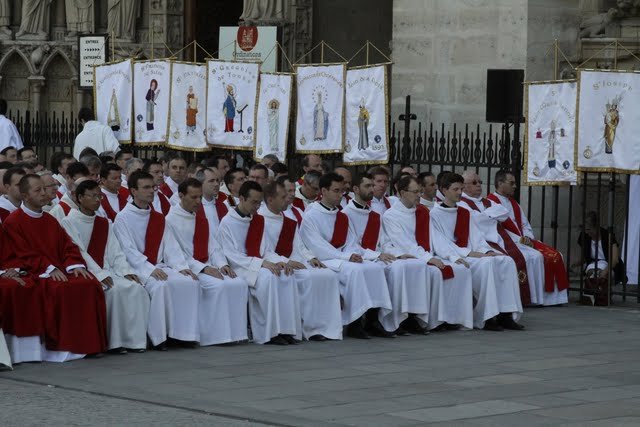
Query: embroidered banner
(112, 94)
(608, 121)
(151, 101)
(550, 133)
(272, 121)
(366, 116)
(187, 115)
(320, 111)
(232, 92)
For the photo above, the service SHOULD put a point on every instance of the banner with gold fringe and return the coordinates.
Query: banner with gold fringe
(112, 95)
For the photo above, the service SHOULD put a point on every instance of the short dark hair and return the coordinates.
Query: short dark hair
(329, 178)
(423, 175)
(86, 114)
(6, 179)
(25, 148)
(77, 168)
(91, 160)
(24, 184)
(85, 186)
(212, 162)
(88, 151)
(137, 176)
(105, 158)
(168, 156)
(178, 156)
(122, 152)
(357, 178)
(230, 176)
(284, 178)
(263, 168)
(279, 167)
(272, 157)
(404, 182)
(107, 168)
(378, 170)
(247, 186)
(451, 178)
(193, 167)
(271, 189)
(3, 106)
(5, 150)
(56, 160)
(149, 163)
(501, 176)
(183, 188)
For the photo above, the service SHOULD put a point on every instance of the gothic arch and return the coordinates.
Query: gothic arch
(7, 57)
(50, 58)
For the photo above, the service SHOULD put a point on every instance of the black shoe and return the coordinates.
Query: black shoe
(507, 322)
(318, 337)
(136, 350)
(290, 339)
(376, 329)
(450, 327)
(412, 325)
(355, 330)
(278, 340)
(401, 332)
(492, 325)
(161, 347)
(119, 350)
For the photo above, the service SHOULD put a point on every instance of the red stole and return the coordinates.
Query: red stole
(300, 180)
(340, 230)
(153, 236)
(123, 196)
(221, 197)
(461, 232)
(166, 190)
(422, 227)
(387, 203)
(371, 232)
(297, 215)
(98, 241)
(59, 194)
(165, 206)
(513, 226)
(65, 208)
(4, 214)
(287, 234)
(221, 209)
(232, 201)
(201, 237)
(254, 236)
(298, 203)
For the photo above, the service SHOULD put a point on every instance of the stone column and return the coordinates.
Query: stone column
(166, 26)
(36, 85)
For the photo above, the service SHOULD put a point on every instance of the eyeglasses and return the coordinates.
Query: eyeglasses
(98, 196)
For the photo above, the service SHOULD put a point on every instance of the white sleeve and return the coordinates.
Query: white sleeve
(526, 226)
(322, 249)
(442, 246)
(238, 259)
(92, 266)
(397, 243)
(172, 253)
(115, 256)
(110, 141)
(136, 259)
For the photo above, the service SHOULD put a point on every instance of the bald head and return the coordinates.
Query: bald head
(472, 183)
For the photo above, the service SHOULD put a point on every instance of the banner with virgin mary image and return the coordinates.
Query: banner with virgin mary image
(320, 117)
(366, 116)
(232, 92)
(151, 101)
(187, 115)
(608, 121)
(272, 122)
(550, 133)
(112, 95)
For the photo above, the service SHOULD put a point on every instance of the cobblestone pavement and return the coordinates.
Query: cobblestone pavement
(574, 366)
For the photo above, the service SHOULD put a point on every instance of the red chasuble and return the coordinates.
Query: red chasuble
(287, 234)
(422, 237)
(555, 271)
(371, 232)
(201, 237)
(74, 311)
(98, 241)
(340, 230)
(4, 214)
(153, 236)
(166, 190)
(254, 236)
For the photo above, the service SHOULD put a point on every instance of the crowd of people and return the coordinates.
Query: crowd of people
(112, 253)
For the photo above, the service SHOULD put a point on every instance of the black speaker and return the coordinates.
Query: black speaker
(504, 96)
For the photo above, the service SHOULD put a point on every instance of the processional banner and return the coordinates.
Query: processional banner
(608, 121)
(151, 101)
(320, 111)
(232, 92)
(366, 116)
(550, 133)
(272, 121)
(112, 94)
(187, 114)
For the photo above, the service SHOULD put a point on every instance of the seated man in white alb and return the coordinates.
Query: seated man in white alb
(489, 217)
(556, 279)
(326, 233)
(318, 286)
(74, 172)
(495, 278)
(308, 192)
(348, 183)
(380, 202)
(233, 181)
(407, 278)
(177, 173)
(127, 301)
(156, 258)
(160, 202)
(290, 189)
(212, 198)
(223, 300)
(406, 226)
(427, 182)
(115, 196)
(274, 308)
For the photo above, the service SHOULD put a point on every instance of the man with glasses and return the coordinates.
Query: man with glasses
(160, 201)
(308, 192)
(428, 186)
(50, 189)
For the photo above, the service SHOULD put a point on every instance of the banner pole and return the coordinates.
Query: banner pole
(367, 52)
(322, 52)
(555, 59)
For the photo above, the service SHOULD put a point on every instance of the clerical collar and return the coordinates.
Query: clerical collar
(204, 200)
(326, 207)
(359, 206)
(142, 209)
(241, 214)
(30, 212)
(104, 190)
(444, 205)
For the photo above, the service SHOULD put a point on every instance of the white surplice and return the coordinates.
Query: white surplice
(487, 222)
(235, 199)
(318, 288)
(302, 197)
(127, 301)
(5, 203)
(548, 298)
(495, 278)
(429, 204)
(174, 302)
(57, 212)
(274, 306)
(212, 216)
(408, 280)
(451, 301)
(223, 302)
(380, 205)
(291, 211)
(5, 358)
(362, 285)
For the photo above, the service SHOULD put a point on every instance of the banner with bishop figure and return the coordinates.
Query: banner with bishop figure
(366, 116)
(550, 133)
(112, 95)
(608, 121)
(151, 101)
(320, 117)
(187, 112)
(272, 121)
(232, 92)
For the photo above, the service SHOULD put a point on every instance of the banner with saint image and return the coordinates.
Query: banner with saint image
(272, 121)
(151, 101)
(366, 116)
(187, 114)
(608, 121)
(112, 95)
(320, 112)
(232, 92)
(550, 133)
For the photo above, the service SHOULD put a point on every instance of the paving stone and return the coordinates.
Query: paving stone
(466, 410)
